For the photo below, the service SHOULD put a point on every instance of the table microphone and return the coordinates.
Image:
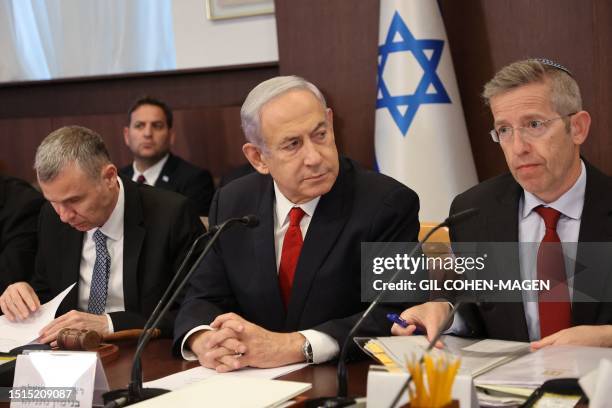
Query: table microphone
(135, 393)
(341, 399)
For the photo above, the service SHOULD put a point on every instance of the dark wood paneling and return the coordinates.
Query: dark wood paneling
(334, 45)
(206, 107)
(486, 35)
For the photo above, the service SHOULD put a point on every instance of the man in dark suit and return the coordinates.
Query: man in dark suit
(120, 242)
(289, 289)
(149, 136)
(551, 195)
(19, 207)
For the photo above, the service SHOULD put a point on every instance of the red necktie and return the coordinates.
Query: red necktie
(141, 179)
(554, 304)
(292, 245)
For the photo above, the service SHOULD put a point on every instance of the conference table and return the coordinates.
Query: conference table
(158, 362)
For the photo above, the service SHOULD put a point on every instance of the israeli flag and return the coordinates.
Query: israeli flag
(421, 138)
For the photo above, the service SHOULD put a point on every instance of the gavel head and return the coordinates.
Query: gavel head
(78, 339)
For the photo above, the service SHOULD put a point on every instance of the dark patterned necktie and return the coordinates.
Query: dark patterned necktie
(554, 304)
(141, 179)
(99, 279)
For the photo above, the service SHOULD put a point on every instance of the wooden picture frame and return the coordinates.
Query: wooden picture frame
(226, 9)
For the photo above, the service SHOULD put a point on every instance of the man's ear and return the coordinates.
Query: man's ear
(254, 155)
(580, 123)
(172, 137)
(109, 174)
(126, 132)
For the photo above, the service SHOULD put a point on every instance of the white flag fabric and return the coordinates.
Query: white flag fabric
(421, 139)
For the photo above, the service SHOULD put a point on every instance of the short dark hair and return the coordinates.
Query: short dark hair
(147, 100)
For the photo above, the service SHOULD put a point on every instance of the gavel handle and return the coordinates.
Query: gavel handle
(129, 334)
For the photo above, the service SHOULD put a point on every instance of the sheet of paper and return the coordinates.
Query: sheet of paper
(181, 379)
(230, 391)
(596, 385)
(496, 346)
(552, 362)
(15, 334)
(477, 356)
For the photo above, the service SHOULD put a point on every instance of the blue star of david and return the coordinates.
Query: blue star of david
(430, 77)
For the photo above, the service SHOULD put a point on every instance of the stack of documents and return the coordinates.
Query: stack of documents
(549, 363)
(505, 372)
(477, 356)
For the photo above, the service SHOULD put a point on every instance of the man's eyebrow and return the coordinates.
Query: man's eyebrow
(319, 126)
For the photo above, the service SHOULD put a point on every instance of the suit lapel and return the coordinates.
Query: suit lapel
(70, 264)
(2, 192)
(167, 172)
(595, 226)
(265, 257)
(502, 226)
(133, 237)
(328, 221)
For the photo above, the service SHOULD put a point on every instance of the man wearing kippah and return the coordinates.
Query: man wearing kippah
(550, 196)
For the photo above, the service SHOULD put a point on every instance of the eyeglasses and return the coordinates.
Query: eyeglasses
(533, 130)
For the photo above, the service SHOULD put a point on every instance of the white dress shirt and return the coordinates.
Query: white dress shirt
(152, 173)
(113, 229)
(324, 347)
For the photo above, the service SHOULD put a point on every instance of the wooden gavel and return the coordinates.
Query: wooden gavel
(89, 340)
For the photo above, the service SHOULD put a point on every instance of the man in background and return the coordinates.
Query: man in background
(121, 242)
(149, 136)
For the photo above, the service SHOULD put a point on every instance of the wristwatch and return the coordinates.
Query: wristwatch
(307, 351)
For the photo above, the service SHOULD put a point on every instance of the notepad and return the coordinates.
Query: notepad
(229, 391)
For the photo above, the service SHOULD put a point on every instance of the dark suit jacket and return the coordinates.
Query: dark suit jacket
(159, 227)
(498, 201)
(19, 207)
(184, 178)
(241, 274)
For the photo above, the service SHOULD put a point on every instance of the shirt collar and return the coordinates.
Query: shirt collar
(569, 204)
(113, 227)
(152, 173)
(283, 206)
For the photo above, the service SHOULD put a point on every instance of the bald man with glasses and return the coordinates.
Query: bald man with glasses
(551, 195)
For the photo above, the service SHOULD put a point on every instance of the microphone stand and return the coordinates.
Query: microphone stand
(342, 400)
(135, 393)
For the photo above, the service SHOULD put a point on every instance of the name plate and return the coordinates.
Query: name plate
(58, 379)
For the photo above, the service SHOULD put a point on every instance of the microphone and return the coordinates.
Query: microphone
(135, 392)
(341, 399)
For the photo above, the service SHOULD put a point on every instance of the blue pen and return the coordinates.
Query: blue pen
(394, 317)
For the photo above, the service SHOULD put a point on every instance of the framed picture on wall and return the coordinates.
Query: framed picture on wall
(224, 9)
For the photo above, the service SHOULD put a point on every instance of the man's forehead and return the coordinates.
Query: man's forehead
(523, 101)
(70, 182)
(148, 113)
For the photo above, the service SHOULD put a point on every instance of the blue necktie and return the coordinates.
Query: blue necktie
(99, 279)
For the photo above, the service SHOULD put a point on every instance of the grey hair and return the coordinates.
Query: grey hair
(70, 145)
(263, 93)
(565, 93)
